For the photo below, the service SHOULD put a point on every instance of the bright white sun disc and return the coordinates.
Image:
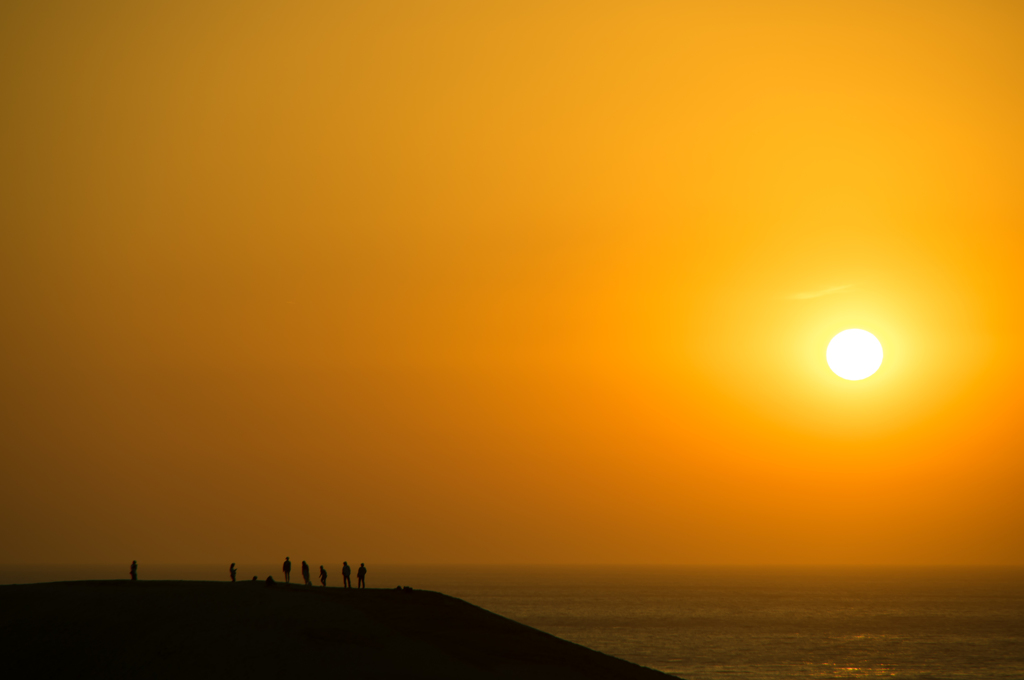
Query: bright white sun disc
(854, 354)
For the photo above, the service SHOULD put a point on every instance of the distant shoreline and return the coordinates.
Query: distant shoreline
(433, 576)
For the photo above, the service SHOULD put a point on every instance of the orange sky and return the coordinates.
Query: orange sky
(512, 282)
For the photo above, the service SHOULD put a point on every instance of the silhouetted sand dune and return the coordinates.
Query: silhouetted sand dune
(247, 630)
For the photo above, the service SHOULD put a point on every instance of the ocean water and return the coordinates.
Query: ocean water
(705, 623)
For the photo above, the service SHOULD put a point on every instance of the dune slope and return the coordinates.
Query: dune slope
(247, 630)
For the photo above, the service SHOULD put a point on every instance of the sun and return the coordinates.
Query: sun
(854, 354)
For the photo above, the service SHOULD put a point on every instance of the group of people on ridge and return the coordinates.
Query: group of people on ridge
(346, 574)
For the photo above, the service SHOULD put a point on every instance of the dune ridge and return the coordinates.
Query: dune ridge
(248, 630)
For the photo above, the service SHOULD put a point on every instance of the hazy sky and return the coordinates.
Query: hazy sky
(510, 281)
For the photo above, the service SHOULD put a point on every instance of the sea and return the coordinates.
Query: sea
(718, 623)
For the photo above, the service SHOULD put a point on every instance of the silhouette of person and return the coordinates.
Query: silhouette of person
(323, 576)
(253, 578)
(346, 574)
(134, 571)
(361, 575)
(305, 573)
(287, 569)
(234, 572)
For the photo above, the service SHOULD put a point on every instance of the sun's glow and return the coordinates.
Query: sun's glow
(854, 354)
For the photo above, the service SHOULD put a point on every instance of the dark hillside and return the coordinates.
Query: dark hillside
(247, 630)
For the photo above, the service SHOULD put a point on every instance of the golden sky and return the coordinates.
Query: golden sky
(510, 282)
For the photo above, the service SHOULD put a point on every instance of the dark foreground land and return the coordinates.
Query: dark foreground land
(178, 629)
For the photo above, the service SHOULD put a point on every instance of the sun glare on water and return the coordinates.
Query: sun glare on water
(854, 354)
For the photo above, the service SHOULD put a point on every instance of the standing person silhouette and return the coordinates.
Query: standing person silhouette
(323, 576)
(346, 574)
(287, 569)
(233, 571)
(361, 575)
(305, 574)
(134, 571)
